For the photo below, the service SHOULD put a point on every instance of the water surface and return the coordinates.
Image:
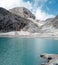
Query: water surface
(25, 51)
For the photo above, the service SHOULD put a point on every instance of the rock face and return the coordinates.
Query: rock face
(23, 12)
(47, 26)
(49, 20)
(32, 27)
(55, 22)
(22, 19)
(11, 22)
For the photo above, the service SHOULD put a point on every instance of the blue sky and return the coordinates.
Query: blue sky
(50, 6)
(42, 9)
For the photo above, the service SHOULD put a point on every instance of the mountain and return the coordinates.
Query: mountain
(11, 22)
(23, 12)
(47, 27)
(17, 20)
(51, 25)
(55, 22)
(32, 27)
(49, 19)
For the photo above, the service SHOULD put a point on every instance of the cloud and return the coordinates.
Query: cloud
(8, 4)
(42, 15)
(50, 2)
(47, 8)
(33, 6)
(39, 3)
(39, 13)
(42, 1)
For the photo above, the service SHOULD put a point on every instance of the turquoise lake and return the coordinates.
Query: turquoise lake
(25, 51)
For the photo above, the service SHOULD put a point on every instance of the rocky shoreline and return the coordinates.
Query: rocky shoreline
(17, 34)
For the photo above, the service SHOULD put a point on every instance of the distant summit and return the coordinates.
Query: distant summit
(23, 12)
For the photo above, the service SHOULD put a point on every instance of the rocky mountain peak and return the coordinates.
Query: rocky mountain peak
(20, 18)
(23, 12)
(4, 11)
(11, 22)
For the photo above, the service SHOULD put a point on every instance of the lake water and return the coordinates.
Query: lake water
(25, 51)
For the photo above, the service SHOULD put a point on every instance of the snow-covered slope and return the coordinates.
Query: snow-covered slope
(48, 27)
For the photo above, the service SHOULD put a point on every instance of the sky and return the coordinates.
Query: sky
(42, 9)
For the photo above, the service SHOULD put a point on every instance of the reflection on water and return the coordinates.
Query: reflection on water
(25, 51)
